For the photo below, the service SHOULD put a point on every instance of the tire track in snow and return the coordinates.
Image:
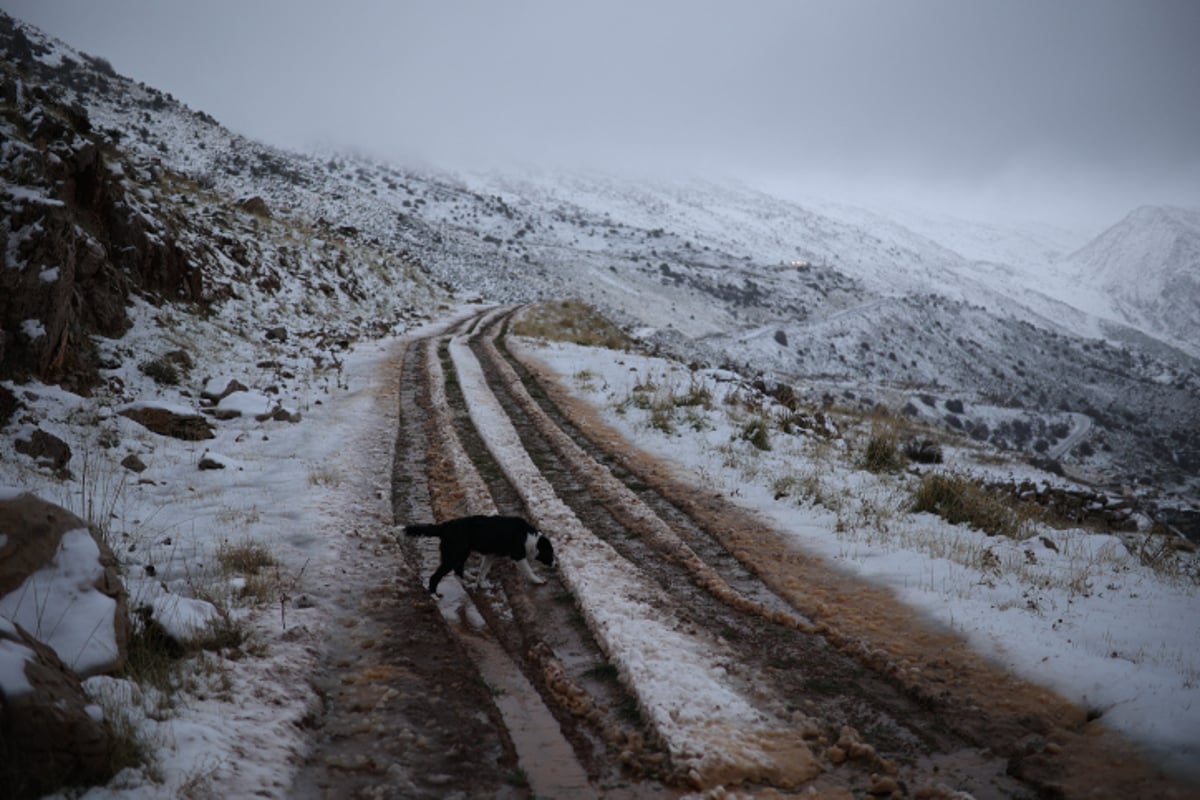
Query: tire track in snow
(713, 732)
(546, 757)
(629, 509)
(1045, 742)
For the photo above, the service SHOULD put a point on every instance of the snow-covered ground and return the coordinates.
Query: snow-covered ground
(680, 675)
(1066, 608)
(1069, 609)
(291, 490)
(1078, 614)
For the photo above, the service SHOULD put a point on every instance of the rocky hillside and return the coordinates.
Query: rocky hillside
(91, 222)
(116, 190)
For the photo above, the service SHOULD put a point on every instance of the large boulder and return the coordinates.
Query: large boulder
(62, 614)
(51, 735)
(58, 580)
(167, 421)
(44, 448)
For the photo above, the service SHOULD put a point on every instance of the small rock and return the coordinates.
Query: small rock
(207, 462)
(255, 205)
(281, 414)
(218, 389)
(134, 464)
(883, 785)
(46, 449)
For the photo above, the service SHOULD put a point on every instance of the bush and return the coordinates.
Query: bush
(882, 453)
(961, 501)
(923, 451)
(757, 433)
(571, 321)
(162, 370)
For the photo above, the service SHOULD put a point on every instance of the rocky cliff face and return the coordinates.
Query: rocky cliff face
(75, 241)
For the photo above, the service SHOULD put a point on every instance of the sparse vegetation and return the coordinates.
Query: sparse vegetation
(961, 501)
(758, 433)
(162, 370)
(249, 560)
(571, 321)
(882, 453)
(244, 558)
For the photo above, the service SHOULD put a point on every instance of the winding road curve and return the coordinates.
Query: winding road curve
(824, 686)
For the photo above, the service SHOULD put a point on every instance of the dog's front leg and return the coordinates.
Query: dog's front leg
(533, 577)
(483, 569)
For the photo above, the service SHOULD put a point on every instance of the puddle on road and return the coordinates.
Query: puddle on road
(546, 757)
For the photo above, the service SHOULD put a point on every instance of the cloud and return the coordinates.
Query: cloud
(1004, 100)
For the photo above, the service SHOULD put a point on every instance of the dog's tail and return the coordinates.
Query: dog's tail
(422, 530)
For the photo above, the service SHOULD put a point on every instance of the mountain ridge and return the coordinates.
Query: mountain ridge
(1147, 266)
(719, 273)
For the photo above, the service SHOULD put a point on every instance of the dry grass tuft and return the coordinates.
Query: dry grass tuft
(961, 501)
(571, 321)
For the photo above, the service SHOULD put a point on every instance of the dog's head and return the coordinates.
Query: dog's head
(545, 551)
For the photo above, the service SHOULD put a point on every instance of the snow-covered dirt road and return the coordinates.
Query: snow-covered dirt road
(680, 645)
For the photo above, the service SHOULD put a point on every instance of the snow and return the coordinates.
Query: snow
(235, 728)
(13, 656)
(1086, 619)
(31, 196)
(247, 403)
(33, 329)
(177, 409)
(679, 675)
(59, 605)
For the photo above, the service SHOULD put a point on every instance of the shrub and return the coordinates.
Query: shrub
(162, 370)
(571, 321)
(961, 501)
(923, 451)
(882, 453)
(757, 432)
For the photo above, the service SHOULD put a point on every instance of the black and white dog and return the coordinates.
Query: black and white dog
(489, 536)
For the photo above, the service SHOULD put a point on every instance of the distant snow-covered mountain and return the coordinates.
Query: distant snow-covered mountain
(1147, 267)
(864, 307)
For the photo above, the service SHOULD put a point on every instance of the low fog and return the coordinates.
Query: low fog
(1070, 112)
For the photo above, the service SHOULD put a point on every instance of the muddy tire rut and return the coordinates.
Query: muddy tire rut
(521, 699)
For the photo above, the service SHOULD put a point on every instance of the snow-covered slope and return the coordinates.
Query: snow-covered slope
(1147, 269)
(833, 299)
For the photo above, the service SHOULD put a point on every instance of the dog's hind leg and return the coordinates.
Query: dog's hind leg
(529, 573)
(436, 577)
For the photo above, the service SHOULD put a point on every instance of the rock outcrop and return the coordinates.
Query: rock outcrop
(166, 422)
(51, 734)
(75, 241)
(45, 448)
(33, 535)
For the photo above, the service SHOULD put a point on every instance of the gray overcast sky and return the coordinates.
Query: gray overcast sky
(1070, 109)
